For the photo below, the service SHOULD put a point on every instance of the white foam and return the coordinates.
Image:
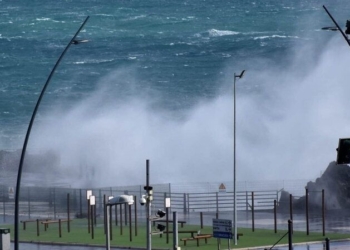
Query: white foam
(216, 33)
(274, 36)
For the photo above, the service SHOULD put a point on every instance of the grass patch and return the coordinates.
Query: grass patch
(79, 235)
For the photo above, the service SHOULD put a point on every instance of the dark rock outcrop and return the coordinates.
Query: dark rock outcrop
(335, 182)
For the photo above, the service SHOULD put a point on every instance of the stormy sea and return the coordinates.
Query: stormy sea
(154, 80)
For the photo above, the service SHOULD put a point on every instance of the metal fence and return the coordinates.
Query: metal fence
(256, 207)
(55, 202)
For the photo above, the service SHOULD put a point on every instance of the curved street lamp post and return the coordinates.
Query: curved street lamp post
(347, 31)
(19, 175)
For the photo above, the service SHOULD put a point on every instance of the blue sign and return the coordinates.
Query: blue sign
(222, 235)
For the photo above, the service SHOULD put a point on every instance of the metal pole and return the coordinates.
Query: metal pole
(108, 243)
(130, 224)
(148, 207)
(92, 221)
(175, 231)
(88, 214)
(234, 155)
(135, 207)
(234, 162)
(19, 174)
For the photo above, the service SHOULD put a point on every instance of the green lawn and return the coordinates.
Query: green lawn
(79, 234)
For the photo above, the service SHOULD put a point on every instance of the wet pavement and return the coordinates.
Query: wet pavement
(337, 245)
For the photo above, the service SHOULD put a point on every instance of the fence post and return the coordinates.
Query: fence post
(126, 214)
(37, 227)
(116, 215)
(275, 214)
(323, 214)
(121, 218)
(68, 213)
(3, 202)
(246, 201)
(110, 218)
(167, 224)
(54, 203)
(291, 209)
(29, 202)
(217, 202)
(253, 225)
(130, 223)
(92, 208)
(185, 204)
(80, 202)
(59, 228)
(188, 203)
(307, 210)
(105, 213)
(201, 219)
(135, 208)
(100, 201)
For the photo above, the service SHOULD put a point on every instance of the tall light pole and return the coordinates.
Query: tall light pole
(19, 175)
(234, 157)
(149, 199)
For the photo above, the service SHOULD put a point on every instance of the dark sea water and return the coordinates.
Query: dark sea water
(155, 82)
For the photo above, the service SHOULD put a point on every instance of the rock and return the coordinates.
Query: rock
(335, 182)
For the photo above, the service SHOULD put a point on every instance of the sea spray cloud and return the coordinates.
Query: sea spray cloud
(297, 120)
(288, 122)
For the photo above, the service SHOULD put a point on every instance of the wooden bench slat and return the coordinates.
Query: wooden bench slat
(197, 238)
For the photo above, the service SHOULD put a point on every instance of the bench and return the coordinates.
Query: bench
(182, 222)
(33, 220)
(197, 238)
(46, 224)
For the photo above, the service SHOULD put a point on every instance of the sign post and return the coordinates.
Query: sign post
(222, 229)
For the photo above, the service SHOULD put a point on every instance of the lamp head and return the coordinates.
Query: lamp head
(160, 227)
(240, 75)
(160, 213)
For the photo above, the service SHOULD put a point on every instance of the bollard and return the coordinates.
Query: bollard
(327, 244)
(290, 229)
